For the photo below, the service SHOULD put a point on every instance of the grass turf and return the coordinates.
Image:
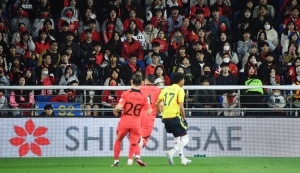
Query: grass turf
(154, 165)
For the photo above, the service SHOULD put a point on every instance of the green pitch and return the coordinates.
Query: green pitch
(154, 165)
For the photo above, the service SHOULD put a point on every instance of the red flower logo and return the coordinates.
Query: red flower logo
(29, 138)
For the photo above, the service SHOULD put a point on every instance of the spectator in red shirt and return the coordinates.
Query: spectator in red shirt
(184, 30)
(160, 73)
(138, 21)
(95, 34)
(42, 43)
(131, 67)
(129, 6)
(111, 25)
(110, 98)
(130, 46)
(225, 10)
(294, 17)
(158, 21)
(161, 39)
(68, 15)
(198, 6)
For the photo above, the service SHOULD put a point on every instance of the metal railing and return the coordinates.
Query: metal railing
(289, 109)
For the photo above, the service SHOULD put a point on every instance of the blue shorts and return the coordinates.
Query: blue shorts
(175, 126)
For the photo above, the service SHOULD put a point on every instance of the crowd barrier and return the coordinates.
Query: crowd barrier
(90, 137)
(78, 109)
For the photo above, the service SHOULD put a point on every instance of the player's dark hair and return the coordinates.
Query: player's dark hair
(151, 78)
(177, 77)
(137, 79)
(47, 107)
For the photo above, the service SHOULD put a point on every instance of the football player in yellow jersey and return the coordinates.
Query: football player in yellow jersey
(174, 116)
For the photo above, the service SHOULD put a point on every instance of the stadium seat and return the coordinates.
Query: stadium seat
(235, 15)
(220, 101)
(280, 3)
(142, 64)
(43, 98)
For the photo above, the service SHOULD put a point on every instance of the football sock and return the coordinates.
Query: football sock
(136, 150)
(117, 149)
(183, 141)
(130, 154)
(180, 151)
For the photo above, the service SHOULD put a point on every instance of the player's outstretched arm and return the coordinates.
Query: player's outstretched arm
(157, 105)
(118, 108)
(182, 112)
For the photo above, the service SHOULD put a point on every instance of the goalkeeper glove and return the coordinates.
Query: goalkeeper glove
(185, 122)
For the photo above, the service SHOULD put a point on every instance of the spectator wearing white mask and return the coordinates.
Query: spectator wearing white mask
(271, 33)
(227, 49)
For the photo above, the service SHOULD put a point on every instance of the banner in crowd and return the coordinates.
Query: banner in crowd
(59, 105)
(77, 137)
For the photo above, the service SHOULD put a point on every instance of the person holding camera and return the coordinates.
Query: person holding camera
(158, 21)
(60, 69)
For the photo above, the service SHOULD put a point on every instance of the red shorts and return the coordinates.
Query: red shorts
(134, 131)
(147, 124)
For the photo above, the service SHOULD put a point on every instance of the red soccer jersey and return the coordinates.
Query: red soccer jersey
(152, 92)
(133, 101)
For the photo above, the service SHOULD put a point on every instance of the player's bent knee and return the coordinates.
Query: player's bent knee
(118, 138)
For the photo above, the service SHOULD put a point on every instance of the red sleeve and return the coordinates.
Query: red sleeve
(154, 22)
(147, 70)
(125, 24)
(140, 51)
(82, 37)
(36, 47)
(53, 80)
(76, 24)
(104, 96)
(217, 73)
(97, 36)
(193, 11)
(122, 100)
(119, 93)
(206, 12)
(192, 37)
(167, 80)
(124, 53)
(140, 25)
(146, 105)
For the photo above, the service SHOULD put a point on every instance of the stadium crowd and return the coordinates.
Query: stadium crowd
(104, 42)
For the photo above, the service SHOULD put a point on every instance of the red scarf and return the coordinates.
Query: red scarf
(175, 17)
(133, 67)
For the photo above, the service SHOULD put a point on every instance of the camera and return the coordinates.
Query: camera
(242, 26)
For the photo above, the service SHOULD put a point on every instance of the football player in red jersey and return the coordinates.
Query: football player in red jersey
(132, 102)
(147, 122)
